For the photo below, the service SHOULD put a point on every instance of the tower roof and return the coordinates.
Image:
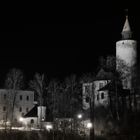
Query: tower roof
(126, 32)
(126, 27)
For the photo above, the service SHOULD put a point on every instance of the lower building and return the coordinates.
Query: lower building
(15, 104)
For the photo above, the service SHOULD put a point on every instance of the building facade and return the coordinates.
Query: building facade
(91, 91)
(15, 104)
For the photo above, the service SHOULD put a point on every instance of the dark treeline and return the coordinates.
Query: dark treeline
(57, 95)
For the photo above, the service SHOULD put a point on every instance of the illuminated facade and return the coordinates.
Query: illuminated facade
(91, 91)
(23, 102)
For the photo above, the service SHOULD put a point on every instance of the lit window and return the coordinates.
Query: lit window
(20, 109)
(27, 98)
(20, 97)
(4, 108)
(102, 95)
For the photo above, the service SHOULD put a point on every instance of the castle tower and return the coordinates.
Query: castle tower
(126, 57)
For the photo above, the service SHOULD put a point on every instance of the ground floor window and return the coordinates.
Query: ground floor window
(32, 121)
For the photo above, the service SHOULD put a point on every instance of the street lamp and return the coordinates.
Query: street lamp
(89, 125)
(79, 116)
(21, 119)
(49, 127)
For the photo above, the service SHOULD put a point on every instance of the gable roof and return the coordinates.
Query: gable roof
(104, 75)
(111, 86)
(32, 112)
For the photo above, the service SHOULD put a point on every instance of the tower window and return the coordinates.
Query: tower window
(20, 109)
(20, 97)
(102, 95)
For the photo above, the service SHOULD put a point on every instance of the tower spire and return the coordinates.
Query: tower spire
(126, 32)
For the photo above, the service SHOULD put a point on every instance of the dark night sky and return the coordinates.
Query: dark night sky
(62, 49)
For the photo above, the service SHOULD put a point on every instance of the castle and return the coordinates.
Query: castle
(97, 91)
(126, 66)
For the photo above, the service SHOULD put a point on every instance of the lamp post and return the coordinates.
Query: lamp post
(89, 126)
(21, 119)
(79, 117)
(49, 127)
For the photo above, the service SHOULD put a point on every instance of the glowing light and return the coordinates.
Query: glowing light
(49, 127)
(43, 119)
(79, 116)
(89, 125)
(21, 119)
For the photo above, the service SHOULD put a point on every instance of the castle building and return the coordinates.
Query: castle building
(14, 105)
(126, 66)
(92, 92)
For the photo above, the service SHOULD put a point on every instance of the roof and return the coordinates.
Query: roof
(112, 87)
(32, 112)
(19, 91)
(104, 75)
(126, 27)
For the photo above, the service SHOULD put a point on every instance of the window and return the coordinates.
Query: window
(27, 98)
(20, 97)
(102, 95)
(4, 108)
(97, 97)
(20, 109)
(4, 96)
(22, 114)
(87, 89)
(32, 121)
(27, 109)
(87, 99)
(101, 85)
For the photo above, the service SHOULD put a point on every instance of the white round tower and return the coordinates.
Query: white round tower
(126, 57)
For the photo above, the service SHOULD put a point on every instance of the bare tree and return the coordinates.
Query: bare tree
(53, 97)
(14, 81)
(38, 84)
